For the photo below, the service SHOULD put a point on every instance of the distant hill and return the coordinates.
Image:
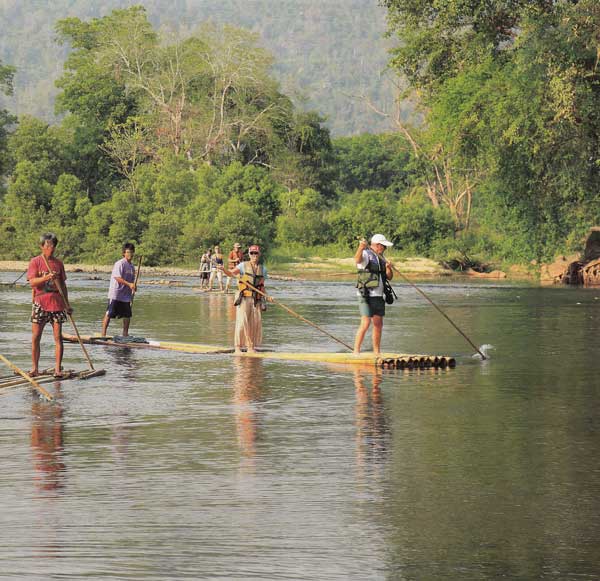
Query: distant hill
(325, 50)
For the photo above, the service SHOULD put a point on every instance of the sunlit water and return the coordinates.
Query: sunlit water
(205, 466)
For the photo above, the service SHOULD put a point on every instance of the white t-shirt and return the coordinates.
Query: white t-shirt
(373, 292)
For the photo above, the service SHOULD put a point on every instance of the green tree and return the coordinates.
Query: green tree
(362, 214)
(6, 119)
(509, 94)
(238, 221)
(69, 207)
(371, 162)
(303, 219)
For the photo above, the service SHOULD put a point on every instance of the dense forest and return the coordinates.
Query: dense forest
(325, 53)
(180, 142)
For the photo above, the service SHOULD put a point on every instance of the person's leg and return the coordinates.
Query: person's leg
(377, 329)
(254, 327)
(58, 347)
(36, 335)
(220, 279)
(105, 323)
(239, 334)
(365, 322)
(211, 279)
(126, 321)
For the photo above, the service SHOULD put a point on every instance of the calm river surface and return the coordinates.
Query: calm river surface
(179, 466)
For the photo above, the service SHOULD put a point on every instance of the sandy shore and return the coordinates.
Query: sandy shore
(21, 265)
(313, 268)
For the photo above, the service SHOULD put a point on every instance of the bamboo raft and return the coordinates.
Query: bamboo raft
(47, 376)
(139, 343)
(384, 360)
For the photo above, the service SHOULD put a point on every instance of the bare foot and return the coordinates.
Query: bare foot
(33, 373)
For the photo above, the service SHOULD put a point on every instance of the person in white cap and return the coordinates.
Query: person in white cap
(373, 270)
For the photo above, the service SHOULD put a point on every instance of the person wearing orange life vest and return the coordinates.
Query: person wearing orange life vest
(249, 303)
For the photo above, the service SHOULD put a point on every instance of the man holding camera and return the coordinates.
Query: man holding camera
(373, 271)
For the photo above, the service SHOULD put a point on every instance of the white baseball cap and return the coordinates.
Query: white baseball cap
(380, 239)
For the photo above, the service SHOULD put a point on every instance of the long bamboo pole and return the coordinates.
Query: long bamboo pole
(483, 357)
(137, 276)
(291, 312)
(68, 307)
(18, 278)
(30, 379)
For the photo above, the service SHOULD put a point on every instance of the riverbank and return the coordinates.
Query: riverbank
(306, 268)
(313, 268)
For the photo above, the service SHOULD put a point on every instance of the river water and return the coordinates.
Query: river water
(180, 466)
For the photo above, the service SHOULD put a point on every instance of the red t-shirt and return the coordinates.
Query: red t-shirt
(234, 258)
(46, 294)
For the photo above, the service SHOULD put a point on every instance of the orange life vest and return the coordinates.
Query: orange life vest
(255, 277)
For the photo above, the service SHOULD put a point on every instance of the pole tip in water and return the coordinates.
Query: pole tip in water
(485, 351)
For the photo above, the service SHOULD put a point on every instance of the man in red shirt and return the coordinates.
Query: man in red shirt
(236, 256)
(48, 306)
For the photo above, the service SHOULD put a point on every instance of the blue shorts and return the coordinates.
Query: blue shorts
(371, 306)
(118, 310)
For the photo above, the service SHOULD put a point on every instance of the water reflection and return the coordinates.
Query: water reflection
(372, 423)
(125, 360)
(247, 391)
(47, 443)
(119, 440)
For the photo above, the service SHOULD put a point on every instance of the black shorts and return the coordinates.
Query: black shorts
(118, 310)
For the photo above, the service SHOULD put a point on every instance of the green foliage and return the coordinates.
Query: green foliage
(37, 142)
(438, 40)
(362, 214)
(302, 220)
(181, 143)
(238, 221)
(510, 94)
(6, 119)
(419, 226)
(370, 162)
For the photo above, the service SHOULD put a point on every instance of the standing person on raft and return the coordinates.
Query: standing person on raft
(373, 271)
(121, 290)
(236, 256)
(48, 306)
(249, 303)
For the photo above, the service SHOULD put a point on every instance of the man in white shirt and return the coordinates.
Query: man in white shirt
(373, 269)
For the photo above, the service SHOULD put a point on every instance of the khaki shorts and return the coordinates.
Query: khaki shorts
(371, 306)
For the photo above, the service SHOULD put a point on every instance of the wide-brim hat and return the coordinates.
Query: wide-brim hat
(254, 248)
